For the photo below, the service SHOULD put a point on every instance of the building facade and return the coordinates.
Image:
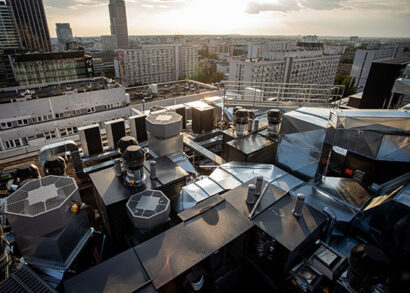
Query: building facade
(364, 57)
(157, 63)
(31, 24)
(42, 68)
(118, 19)
(294, 67)
(109, 43)
(9, 37)
(53, 111)
(64, 34)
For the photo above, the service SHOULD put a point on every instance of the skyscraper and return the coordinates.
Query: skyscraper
(9, 37)
(118, 19)
(64, 33)
(31, 24)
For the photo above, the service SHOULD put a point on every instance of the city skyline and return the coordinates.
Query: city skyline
(282, 17)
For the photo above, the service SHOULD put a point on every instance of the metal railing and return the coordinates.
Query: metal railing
(281, 95)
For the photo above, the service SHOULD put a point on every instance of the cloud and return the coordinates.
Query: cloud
(254, 7)
(285, 6)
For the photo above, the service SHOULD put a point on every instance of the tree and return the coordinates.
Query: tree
(348, 82)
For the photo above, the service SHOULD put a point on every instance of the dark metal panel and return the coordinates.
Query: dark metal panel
(173, 252)
(237, 197)
(347, 190)
(203, 151)
(167, 171)
(279, 222)
(121, 273)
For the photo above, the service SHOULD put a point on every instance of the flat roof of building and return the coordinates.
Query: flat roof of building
(56, 88)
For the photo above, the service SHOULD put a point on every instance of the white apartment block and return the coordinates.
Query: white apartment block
(364, 57)
(310, 67)
(157, 63)
(33, 115)
(256, 51)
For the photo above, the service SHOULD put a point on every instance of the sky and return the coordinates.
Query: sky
(365, 18)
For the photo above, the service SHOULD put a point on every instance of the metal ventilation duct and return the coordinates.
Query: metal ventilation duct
(164, 124)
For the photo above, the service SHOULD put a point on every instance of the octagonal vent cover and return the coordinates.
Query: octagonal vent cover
(148, 209)
(164, 124)
(42, 205)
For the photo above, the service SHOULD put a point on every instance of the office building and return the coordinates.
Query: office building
(293, 67)
(157, 63)
(109, 43)
(9, 37)
(364, 57)
(38, 68)
(64, 34)
(118, 19)
(32, 25)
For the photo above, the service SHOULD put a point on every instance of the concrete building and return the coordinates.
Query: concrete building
(32, 24)
(157, 63)
(294, 67)
(9, 37)
(364, 57)
(32, 116)
(118, 19)
(48, 67)
(109, 43)
(256, 51)
(64, 34)
(310, 39)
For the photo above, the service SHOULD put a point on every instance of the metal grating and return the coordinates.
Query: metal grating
(24, 281)
(41, 195)
(147, 203)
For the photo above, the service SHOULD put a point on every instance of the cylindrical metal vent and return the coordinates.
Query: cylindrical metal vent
(251, 198)
(250, 126)
(259, 181)
(274, 120)
(300, 200)
(153, 169)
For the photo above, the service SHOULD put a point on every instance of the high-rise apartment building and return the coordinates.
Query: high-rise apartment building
(64, 34)
(9, 37)
(118, 19)
(364, 57)
(294, 67)
(157, 63)
(31, 24)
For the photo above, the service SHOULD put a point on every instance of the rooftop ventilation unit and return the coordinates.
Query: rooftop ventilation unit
(90, 139)
(148, 209)
(43, 216)
(115, 130)
(164, 133)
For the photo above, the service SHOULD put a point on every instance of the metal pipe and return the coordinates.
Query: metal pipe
(153, 169)
(251, 197)
(259, 181)
(300, 200)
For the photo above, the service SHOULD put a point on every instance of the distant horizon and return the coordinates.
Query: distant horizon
(343, 18)
(248, 35)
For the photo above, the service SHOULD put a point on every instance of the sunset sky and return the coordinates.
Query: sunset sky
(384, 18)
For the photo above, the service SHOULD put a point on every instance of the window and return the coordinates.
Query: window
(5, 125)
(22, 122)
(50, 134)
(91, 110)
(15, 143)
(63, 132)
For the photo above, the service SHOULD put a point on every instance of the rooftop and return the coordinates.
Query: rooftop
(52, 89)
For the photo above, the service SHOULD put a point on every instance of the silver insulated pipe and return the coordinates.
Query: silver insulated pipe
(251, 197)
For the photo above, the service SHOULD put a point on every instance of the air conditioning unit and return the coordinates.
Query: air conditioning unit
(115, 130)
(90, 139)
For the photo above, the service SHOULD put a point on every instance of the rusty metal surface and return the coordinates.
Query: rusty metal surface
(174, 251)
